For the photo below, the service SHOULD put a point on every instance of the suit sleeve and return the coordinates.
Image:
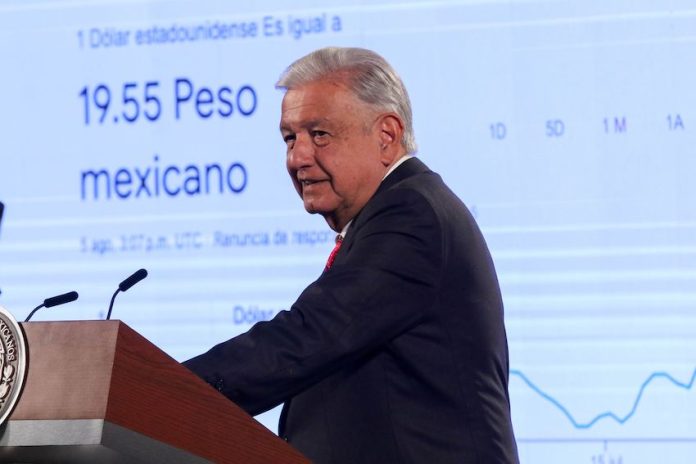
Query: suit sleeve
(382, 284)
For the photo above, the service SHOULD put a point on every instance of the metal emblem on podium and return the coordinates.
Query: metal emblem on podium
(13, 362)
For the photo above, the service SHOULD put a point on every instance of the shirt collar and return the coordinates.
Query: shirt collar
(345, 230)
(397, 164)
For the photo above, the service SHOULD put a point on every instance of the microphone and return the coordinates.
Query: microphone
(54, 301)
(136, 277)
(133, 279)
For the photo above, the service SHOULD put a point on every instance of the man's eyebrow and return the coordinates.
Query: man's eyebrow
(284, 127)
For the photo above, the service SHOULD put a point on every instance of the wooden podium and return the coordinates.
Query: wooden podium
(98, 392)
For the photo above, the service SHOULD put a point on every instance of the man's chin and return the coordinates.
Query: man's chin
(313, 208)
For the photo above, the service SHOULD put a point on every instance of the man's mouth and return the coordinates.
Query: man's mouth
(308, 182)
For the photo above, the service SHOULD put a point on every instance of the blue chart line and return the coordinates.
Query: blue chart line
(607, 414)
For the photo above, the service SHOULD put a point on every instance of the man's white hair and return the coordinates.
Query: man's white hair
(365, 73)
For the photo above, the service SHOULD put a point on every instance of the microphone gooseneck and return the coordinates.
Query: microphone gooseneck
(131, 280)
(33, 311)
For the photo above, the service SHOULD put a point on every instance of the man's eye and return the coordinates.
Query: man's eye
(289, 138)
(320, 137)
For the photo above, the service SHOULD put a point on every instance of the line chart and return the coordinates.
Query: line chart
(607, 414)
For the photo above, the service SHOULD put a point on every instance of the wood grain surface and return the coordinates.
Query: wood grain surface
(104, 369)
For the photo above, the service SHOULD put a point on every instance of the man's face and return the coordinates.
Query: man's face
(333, 149)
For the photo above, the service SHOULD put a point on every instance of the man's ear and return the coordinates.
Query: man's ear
(391, 130)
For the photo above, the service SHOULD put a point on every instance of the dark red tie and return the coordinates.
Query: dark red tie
(332, 256)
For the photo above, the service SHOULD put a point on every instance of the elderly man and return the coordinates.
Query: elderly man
(397, 353)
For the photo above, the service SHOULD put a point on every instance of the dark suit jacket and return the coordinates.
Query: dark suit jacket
(398, 353)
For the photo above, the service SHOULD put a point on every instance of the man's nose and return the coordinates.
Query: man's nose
(302, 153)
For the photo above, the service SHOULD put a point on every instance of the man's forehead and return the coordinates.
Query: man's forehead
(316, 102)
(302, 99)
(304, 111)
